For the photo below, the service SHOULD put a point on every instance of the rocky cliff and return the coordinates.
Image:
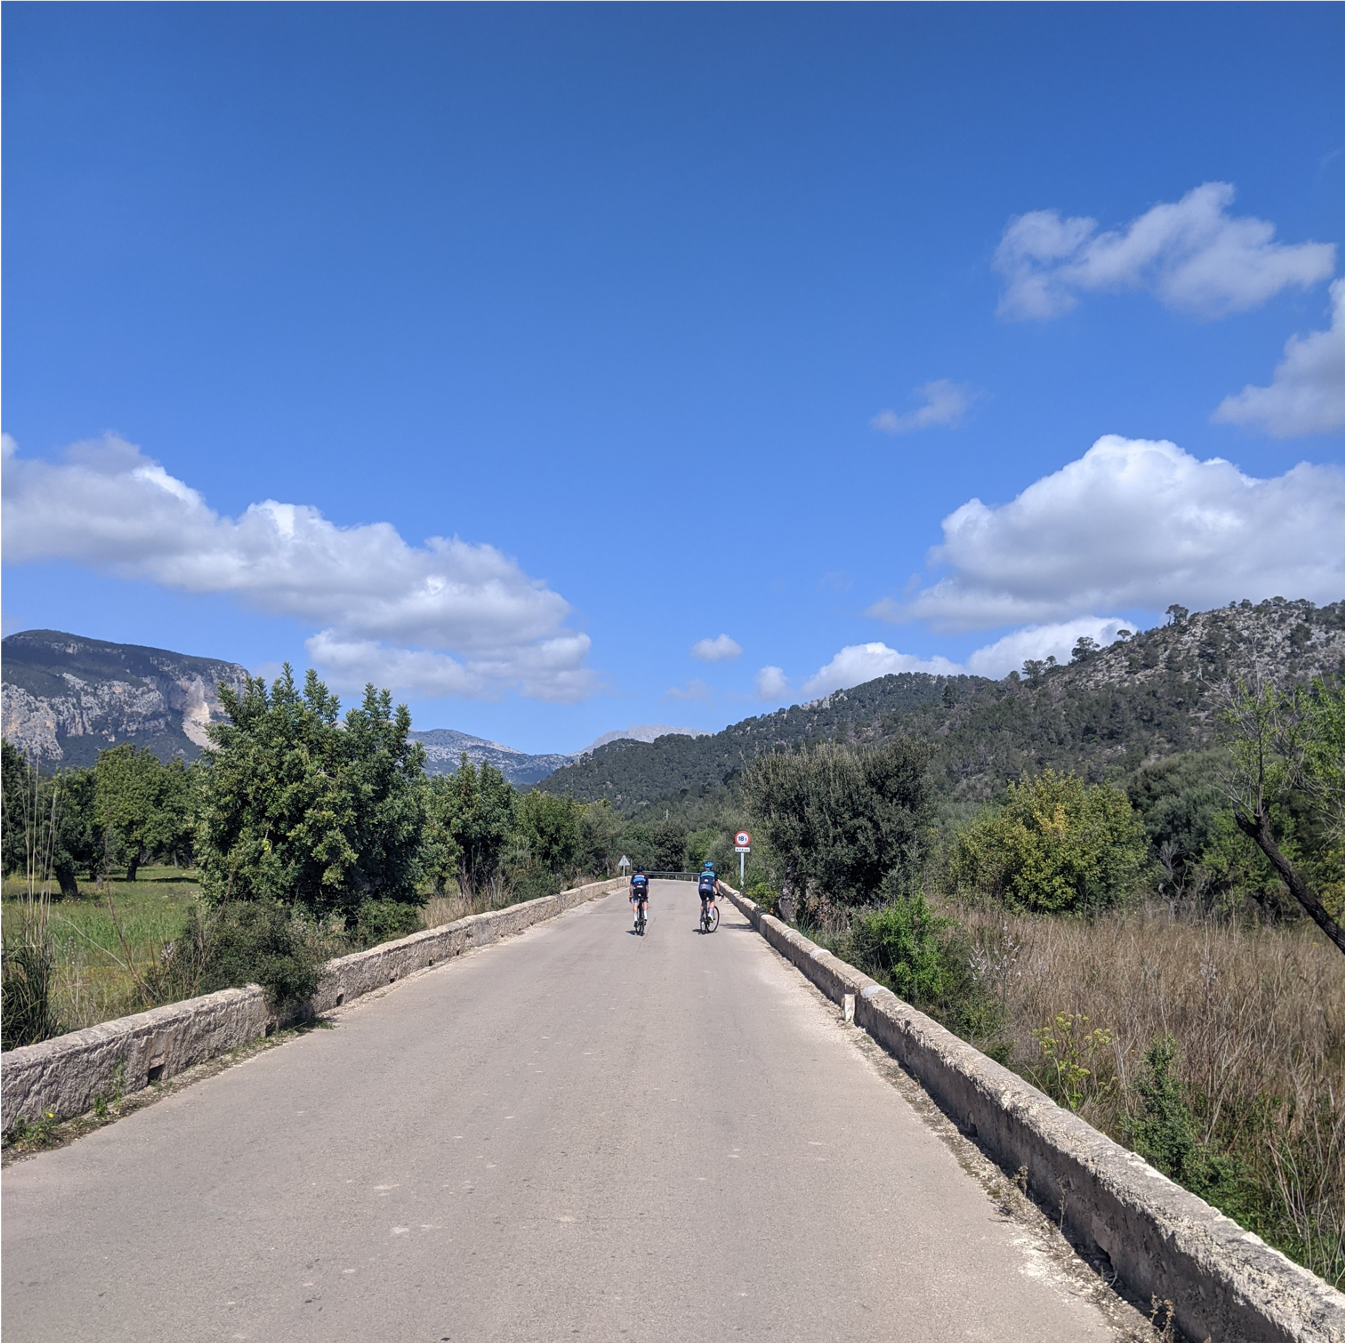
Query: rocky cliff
(66, 698)
(444, 748)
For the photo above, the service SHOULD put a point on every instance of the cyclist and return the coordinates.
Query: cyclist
(708, 886)
(639, 893)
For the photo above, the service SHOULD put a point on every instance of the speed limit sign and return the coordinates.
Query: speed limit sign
(742, 840)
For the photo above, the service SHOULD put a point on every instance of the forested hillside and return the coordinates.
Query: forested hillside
(632, 774)
(1103, 714)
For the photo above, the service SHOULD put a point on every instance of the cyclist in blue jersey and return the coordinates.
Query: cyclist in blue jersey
(708, 885)
(639, 893)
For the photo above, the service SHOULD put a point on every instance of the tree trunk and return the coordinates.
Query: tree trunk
(68, 882)
(1257, 829)
(133, 865)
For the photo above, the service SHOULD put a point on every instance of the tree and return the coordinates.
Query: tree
(295, 807)
(1055, 845)
(552, 829)
(838, 821)
(471, 816)
(1279, 743)
(140, 806)
(49, 828)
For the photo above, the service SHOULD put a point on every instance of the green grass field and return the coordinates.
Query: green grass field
(94, 979)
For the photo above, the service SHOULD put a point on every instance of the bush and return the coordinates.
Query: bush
(385, 921)
(1056, 845)
(899, 945)
(765, 895)
(246, 942)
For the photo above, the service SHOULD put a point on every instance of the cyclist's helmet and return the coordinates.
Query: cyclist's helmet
(708, 865)
(640, 870)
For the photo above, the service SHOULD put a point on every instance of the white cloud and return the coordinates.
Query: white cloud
(1190, 253)
(447, 618)
(716, 650)
(864, 662)
(695, 689)
(1135, 524)
(771, 684)
(1307, 393)
(946, 402)
(1041, 641)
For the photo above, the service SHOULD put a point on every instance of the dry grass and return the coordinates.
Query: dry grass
(1258, 1017)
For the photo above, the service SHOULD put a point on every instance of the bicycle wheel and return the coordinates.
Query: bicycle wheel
(712, 918)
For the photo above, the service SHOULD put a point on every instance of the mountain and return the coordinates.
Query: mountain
(631, 774)
(1106, 712)
(67, 698)
(644, 732)
(444, 748)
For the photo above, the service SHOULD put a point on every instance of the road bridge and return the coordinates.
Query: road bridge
(575, 1134)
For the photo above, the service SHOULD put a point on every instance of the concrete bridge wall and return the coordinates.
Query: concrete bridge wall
(1226, 1284)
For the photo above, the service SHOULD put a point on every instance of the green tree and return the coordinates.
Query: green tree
(839, 821)
(600, 837)
(1054, 845)
(471, 821)
(296, 808)
(552, 829)
(1284, 744)
(49, 828)
(141, 806)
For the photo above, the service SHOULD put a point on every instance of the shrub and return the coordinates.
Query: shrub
(1054, 845)
(246, 942)
(899, 945)
(385, 921)
(765, 895)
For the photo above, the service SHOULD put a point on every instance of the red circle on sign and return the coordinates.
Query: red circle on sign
(742, 839)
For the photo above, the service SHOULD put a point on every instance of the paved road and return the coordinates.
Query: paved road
(574, 1135)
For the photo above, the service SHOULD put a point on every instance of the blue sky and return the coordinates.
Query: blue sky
(637, 308)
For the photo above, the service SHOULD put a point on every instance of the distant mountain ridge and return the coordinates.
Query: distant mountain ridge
(444, 749)
(65, 698)
(1106, 712)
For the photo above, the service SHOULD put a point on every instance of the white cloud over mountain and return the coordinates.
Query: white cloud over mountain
(862, 662)
(1307, 393)
(1191, 254)
(719, 649)
(1042, 641)
(1136, 524)
(447, 618)
(771, 684)
(946, 402)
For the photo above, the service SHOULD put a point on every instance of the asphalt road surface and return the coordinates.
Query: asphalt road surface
(576, 1134)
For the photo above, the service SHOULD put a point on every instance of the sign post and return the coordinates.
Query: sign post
(623, 865)
(742, 846)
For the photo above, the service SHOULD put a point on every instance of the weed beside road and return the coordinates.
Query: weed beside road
(1215, 1047)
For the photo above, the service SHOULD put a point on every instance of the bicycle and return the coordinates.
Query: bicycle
(640, 919)
(709, 915)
